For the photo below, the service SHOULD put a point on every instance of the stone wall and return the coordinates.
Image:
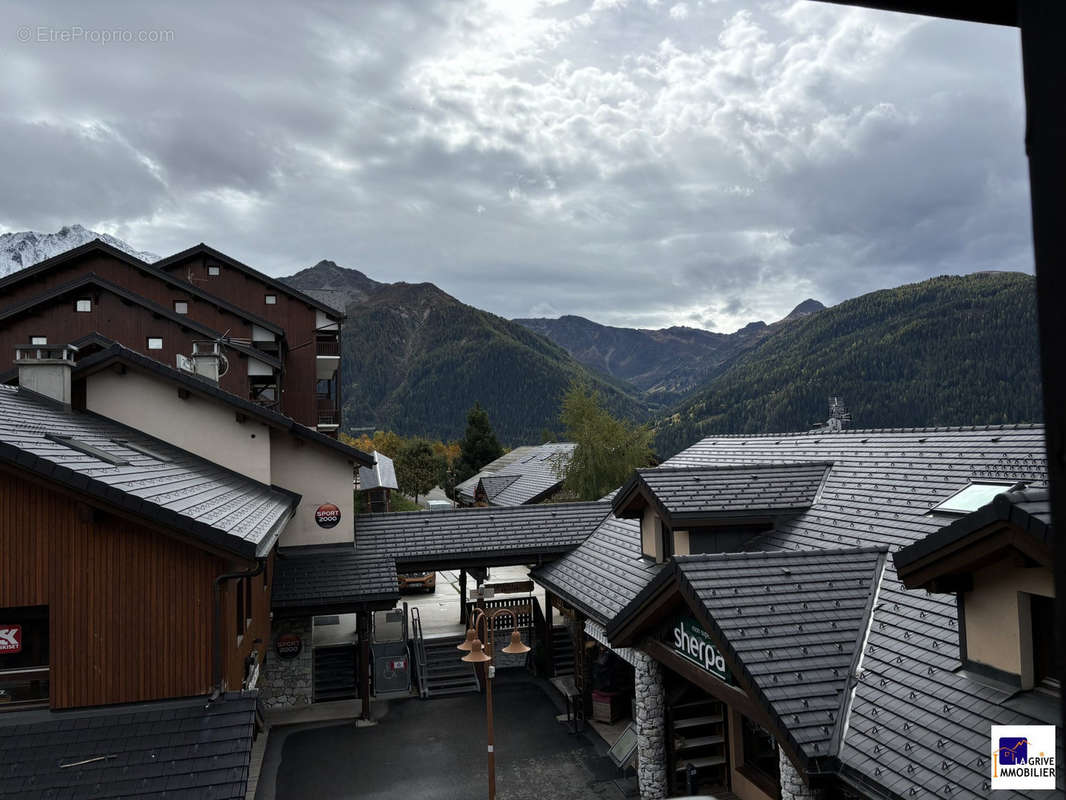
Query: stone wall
(651, 738)
(286, 683)
(792, 785)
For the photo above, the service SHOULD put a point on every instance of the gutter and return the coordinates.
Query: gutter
(216, 678)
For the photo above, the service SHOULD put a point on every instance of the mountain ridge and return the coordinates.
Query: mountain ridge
(21, 249)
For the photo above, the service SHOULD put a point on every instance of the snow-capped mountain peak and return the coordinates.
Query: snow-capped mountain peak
(25, 248)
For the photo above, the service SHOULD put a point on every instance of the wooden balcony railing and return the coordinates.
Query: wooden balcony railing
(327, 348)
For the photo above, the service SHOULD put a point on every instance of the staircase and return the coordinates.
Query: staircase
(698, 727)
(444, 673)
(562, 651)
(334, 669)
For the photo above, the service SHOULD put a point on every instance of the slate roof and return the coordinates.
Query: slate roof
(916, 722)
(307, 577)
(114, 352)
(91, 279)
(1029, 509)
(727, 491)
(415, 537)
(169, 261)
(794, 620)
(174, 488)
(533, 472)
(188, 748)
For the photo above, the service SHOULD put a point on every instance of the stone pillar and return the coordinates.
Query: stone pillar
(792, 785)
(286, 682)
(651, 734)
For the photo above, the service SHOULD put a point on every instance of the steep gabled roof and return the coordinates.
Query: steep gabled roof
(492, 485)
(192, 747)
(118, 354)
(201, 248)
(141, 475)
(686, 494)
(91, 279)
(96, 245)
(791, 624)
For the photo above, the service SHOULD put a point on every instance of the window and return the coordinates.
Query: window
(975, 496)
(83, 304)
(1042, 613)
(181, 307)
(155, 343)
(38, 340)
(271, 299)
(24, 672)
(214, 270)
(759, 750)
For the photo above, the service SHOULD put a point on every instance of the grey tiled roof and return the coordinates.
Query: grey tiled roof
(532, 471)
(1029, 509)
(426, 536)
(796, 621)
(188, 748)
(179, 490)
(305, 577)
(603, 573)
(690, 492)
(916, 722)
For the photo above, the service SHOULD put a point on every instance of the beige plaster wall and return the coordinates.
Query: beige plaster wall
(650, 541)
(997, 616)
(199, 425)
(320, 476)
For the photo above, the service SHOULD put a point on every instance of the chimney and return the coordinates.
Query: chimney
(46, 369)
(207, 361)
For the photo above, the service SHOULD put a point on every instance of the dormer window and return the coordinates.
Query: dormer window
(997, 561)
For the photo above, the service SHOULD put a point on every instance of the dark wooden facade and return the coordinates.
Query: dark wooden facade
(119, 319)
(300, 396)
(131, 608)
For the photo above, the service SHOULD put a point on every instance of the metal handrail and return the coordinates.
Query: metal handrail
(420, 651)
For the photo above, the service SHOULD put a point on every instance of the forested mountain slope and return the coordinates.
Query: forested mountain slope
(947, 351)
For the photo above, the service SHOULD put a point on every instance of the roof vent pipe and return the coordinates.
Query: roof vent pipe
(46, 370)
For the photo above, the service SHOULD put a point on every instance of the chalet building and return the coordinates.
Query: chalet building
(526, 475)
(822, 615)
(138, 576)
(311, 392)
(89, 305)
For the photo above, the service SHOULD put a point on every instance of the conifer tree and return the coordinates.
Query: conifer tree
(479, 445)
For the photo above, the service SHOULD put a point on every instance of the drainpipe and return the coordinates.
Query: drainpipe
(260, 565)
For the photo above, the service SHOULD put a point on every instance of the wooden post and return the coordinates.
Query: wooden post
(362, 624)
(463, 616)
(490, 636)
(549, 657)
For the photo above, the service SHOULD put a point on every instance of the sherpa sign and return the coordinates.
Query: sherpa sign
(691, 641)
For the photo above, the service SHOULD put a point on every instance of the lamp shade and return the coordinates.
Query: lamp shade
(468, 644)
(476, 654)
(516, 646)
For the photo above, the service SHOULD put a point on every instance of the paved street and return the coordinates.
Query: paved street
(435, 750)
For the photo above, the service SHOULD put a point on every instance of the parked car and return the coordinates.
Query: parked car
(426, 581)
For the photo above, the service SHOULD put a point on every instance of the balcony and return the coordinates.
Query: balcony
(327, 413)
(327, 358)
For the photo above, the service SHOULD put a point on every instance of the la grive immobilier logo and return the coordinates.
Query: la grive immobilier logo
(1023, 756)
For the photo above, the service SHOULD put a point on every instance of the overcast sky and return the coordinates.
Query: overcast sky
(640, 163)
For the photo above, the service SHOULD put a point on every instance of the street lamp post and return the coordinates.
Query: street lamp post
(476, 654)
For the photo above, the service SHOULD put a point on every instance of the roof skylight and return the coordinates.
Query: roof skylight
(975, 496)
(84, 447)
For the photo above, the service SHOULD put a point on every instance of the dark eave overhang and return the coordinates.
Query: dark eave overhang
(478, 558)
(117, 354)
(203, 249)
(98, 246)
(128, 503)
(991, 12)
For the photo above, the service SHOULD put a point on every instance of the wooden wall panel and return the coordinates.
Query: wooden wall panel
(130, 608)
(126, 323)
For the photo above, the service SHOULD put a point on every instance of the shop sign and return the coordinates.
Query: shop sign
(688, 639)
(288, 645)
(10, 638)
(327, 515)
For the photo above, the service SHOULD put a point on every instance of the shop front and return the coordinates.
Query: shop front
(24, 662)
